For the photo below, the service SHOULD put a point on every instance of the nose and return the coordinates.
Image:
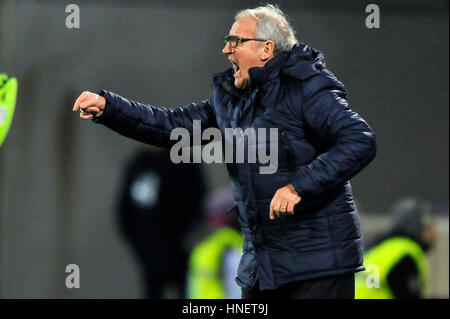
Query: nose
(227, 49)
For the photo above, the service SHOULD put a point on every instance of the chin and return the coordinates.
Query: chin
(240, 84)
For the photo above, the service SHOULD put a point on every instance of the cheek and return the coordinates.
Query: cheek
(244, 67)
(246, 62)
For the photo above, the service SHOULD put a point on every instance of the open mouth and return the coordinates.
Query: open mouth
(235, 67)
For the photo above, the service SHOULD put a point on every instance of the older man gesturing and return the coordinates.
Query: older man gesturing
(302, 236)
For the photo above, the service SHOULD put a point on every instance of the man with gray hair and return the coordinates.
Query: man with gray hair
(302, 236)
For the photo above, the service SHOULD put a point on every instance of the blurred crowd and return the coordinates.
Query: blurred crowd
(188, 243)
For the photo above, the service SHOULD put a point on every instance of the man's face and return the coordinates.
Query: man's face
(247, 54)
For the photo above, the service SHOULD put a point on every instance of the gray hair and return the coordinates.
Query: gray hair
(271, 24)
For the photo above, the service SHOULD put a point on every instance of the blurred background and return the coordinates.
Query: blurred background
(62, 178)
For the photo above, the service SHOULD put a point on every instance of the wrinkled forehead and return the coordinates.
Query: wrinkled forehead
(244, 28)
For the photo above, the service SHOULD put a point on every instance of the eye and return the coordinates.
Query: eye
(233, 40)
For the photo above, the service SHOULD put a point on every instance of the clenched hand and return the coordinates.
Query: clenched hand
(90, 105)
(283, 201)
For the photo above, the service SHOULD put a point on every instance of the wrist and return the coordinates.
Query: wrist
(101, 104)
(292, 188)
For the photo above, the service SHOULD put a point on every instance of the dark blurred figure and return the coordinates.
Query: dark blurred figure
(400, 254)
(214, 261)
(160, 202)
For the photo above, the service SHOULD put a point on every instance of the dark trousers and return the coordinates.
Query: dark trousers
(336, 287)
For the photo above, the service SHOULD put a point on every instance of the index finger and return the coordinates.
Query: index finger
(83, 96)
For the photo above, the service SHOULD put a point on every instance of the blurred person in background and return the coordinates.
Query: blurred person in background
(8, 96)
(400, 254)
(159, 204)
(214, 261)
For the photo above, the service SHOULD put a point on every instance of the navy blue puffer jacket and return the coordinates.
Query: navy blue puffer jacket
(323, 144)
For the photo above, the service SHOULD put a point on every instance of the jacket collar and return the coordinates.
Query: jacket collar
(301, 62)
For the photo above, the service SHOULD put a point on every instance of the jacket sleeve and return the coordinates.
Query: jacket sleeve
(151, 124)
(347, 142)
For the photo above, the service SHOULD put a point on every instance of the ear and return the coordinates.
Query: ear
(267, 50)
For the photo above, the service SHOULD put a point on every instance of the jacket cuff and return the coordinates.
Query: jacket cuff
(296, 185)
(106, 112)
